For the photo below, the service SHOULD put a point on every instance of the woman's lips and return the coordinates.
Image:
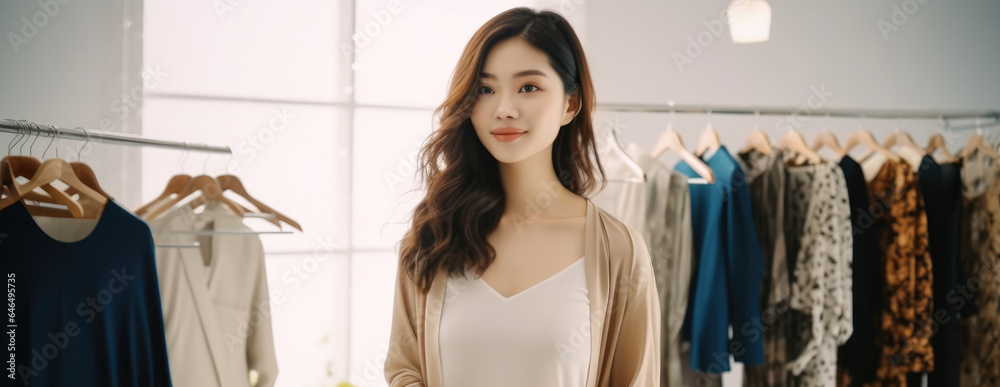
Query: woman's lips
(508, 137)
(508, 134)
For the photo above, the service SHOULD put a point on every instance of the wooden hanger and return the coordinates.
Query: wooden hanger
(978, 143)
(182, 186)
(25, 166)
(937, 143)
(827, 139)
(174, 186)
(10, 198)
(864, 137)
(903, 139)
(794, 142)
(269, 217)
(87, 176)
(13, 166)
(82, 170)
(758, 140)
(204, 184)
(233, 183)
(89, 179)
(670, 140)
(56, 169)
(709, 141)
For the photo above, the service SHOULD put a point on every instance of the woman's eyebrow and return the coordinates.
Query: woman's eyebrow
(518, 75)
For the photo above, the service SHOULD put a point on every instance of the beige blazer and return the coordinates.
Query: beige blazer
(217, 317)
(624, 309)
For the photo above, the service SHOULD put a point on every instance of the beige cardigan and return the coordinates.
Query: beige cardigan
(625, 314)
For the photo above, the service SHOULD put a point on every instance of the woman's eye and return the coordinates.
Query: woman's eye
(483, 89)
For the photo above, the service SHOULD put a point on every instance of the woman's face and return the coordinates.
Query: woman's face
(519, 92)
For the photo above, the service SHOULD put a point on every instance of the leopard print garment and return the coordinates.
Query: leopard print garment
(820, 247)
(981, 258)
(897, 207)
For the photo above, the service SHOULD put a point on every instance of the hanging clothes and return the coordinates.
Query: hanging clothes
(819, 246)
(941, 186)
(622, 199)
(873, 164)
(667, 232)
(858, 358)
(86, 302)
(215, 299)
(981, 260)
(766, 177)
(901, 226)
(660, 210)
(727, 269)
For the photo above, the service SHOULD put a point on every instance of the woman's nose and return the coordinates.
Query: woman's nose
(506, 107)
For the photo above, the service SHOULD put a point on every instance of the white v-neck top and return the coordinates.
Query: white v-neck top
(538, 337)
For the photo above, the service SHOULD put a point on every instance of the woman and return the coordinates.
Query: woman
(509, 276)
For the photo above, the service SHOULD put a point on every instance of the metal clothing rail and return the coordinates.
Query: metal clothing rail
(811, 112)
(22, 126)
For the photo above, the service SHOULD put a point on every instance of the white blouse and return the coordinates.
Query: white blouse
(538, 337)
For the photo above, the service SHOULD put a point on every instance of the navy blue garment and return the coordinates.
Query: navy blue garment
(87, 313)
(859, 356)
(941, 185)
(727, 271)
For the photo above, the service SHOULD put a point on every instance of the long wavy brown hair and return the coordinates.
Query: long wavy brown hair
(465, 198)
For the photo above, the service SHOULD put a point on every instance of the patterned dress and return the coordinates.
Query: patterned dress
(819, 249)
(897, 208)
(981, 257)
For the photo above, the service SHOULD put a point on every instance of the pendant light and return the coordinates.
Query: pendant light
(749, 21)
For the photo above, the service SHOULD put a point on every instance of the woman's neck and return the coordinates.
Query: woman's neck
(533, 190)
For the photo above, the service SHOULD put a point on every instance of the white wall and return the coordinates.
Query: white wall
(72, 68)
(945, 56)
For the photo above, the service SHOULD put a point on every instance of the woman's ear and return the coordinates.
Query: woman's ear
(573, 106)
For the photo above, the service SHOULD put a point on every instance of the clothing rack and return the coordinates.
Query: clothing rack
(23, 126)
(817, 112)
